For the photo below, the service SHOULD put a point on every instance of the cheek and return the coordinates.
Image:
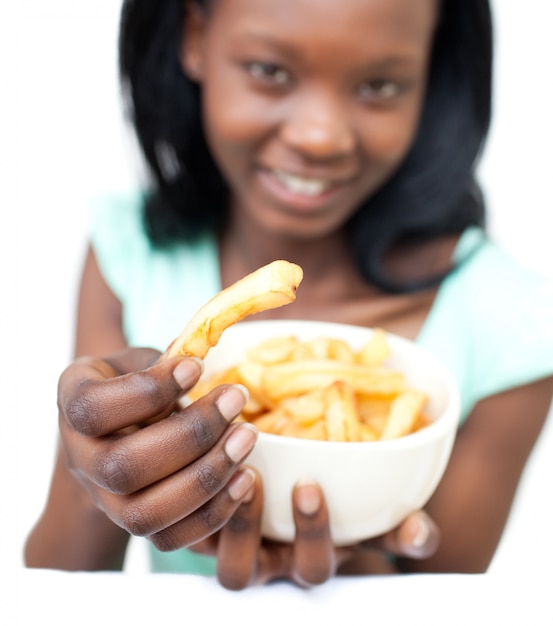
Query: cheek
(230, 119)
(233, 136)
(388, 137)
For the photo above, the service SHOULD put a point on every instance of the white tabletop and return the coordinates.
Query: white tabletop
(34, 596)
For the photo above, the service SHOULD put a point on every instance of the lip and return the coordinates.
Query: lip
(272, 181)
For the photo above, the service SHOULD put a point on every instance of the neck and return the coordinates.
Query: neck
(245, 251)
(331, 282)
(332, 288)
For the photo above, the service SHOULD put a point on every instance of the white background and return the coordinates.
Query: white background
(62, 140)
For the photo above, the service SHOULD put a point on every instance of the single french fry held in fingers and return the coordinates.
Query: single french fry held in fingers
(269, 287)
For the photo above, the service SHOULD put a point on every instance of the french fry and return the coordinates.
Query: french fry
(341, 415)
(367, 433)
(315, 432)
(374, 410)
(376, 422)
(341, 351)
(269, 287)
(307, 408)
(326, 348)
(321, 389)
(318, 348)
(376, 350)
(273, 422)
(250, 374)
(404, 412)
(334, 417)
(317, 389)
(297, 377)
(302, 352)
(204, 386)
(274, 350)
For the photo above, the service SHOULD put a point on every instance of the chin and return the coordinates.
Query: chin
(301, 227)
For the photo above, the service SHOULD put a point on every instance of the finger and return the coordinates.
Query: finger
(197, 530)
(125, 464)
(207, 546)
(96, 401)
(314, 555)
(239, 541)
(132, 359)
(417, 537)
(187, 506)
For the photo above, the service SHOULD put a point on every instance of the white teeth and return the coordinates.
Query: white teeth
(302, 186)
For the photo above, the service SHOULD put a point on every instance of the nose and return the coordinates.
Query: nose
(319, 127)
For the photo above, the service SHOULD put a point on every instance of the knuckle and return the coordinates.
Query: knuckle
(240, 525)
(116, 472)
(81, 412)
(165, 540)
(208, 479)
(201, 432)
(200, 429)
(212, 517)
(312, 535)
(206, 520)
(169, 539)
(135, 520)
(153, 395)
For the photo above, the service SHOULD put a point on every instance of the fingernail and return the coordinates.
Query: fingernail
(241, 442)
(232, 401)
(308, 497)
(422, 532)
(240, 488)
(187, 371)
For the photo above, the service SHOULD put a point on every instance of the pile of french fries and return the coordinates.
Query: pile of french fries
(322, 389)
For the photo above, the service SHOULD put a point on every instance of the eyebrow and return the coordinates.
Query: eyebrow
(390, 61)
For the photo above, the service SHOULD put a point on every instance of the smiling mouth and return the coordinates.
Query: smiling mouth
(310, 187)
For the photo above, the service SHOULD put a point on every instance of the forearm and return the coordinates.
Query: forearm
(72, 534)
(473, 502)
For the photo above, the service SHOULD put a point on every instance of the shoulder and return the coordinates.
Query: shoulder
(157, 287)
(117, 236)
(498, 292)
(491, 321)
(116, 219)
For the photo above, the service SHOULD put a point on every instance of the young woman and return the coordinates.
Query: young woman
(343, 136)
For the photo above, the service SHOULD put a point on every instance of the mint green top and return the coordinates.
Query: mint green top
(491, 321)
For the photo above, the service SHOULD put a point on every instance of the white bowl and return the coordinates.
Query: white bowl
(370, 487)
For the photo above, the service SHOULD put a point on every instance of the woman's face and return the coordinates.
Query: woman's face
(309, 105)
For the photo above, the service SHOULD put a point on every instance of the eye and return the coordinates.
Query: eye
(268, 73)
(379, 90)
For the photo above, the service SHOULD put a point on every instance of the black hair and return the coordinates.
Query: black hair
(434, 192)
